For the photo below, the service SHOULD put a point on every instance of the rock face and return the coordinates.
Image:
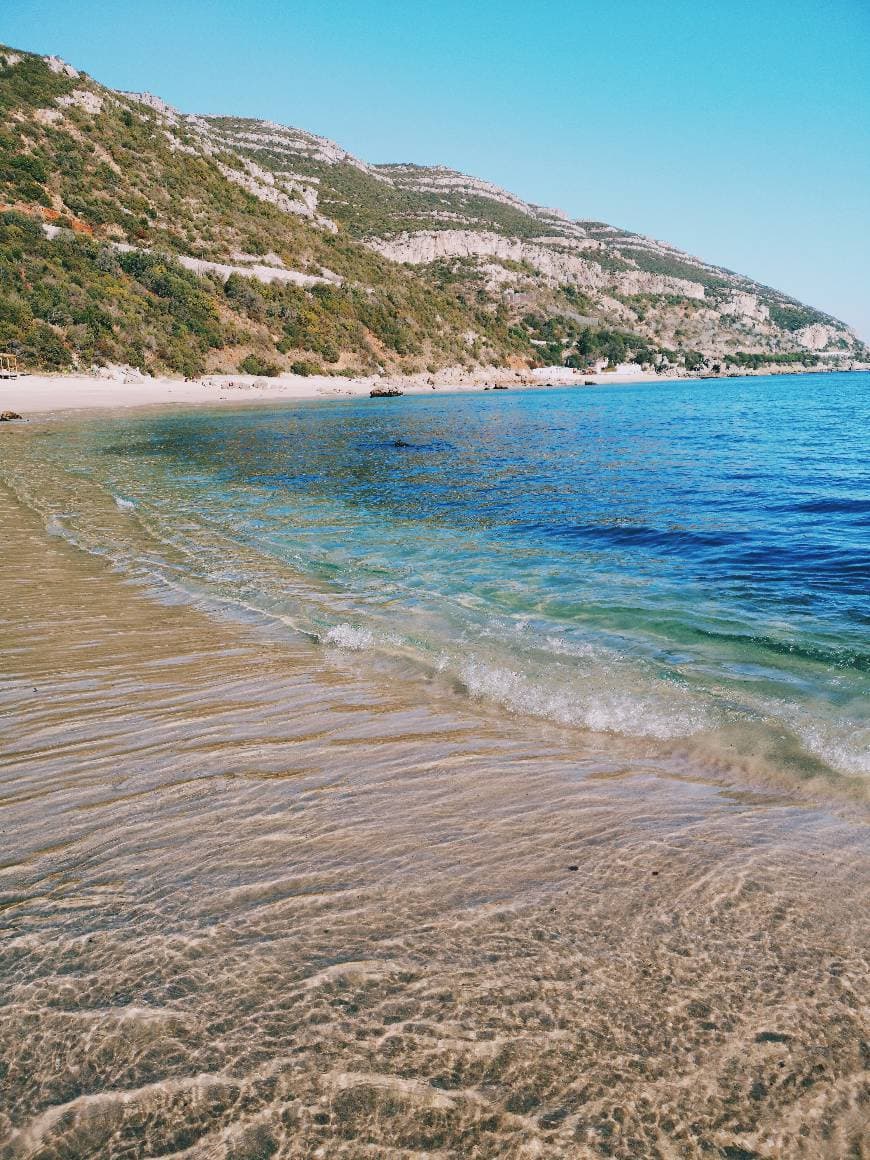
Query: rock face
(818, 336)
(61, 68)
(550, 257)
(440, 180)
(83, 99)
(264, 185)
(745, 306)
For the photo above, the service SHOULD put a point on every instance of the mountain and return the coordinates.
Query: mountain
(132, 232)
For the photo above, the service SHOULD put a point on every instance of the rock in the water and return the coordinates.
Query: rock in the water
(385, 392)
(7, 416)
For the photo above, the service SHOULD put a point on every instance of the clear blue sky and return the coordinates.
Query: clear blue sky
(737, 129)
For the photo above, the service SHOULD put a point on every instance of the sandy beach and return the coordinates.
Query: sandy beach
(120, 387)
(33, 394)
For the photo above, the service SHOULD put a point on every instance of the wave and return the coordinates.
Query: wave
(571, 682)
(835, 506)
(589, 704)
(837, 657)
(639, 535)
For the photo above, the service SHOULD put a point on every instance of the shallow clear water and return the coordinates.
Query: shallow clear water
(678, 561)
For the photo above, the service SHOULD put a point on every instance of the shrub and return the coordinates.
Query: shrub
(43, 347)
(252, 364)
(304, 368)
(795, 317)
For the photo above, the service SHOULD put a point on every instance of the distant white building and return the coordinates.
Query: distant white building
(555, 374)
(629, 369)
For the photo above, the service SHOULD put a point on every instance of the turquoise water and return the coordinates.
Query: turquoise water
(668, 562)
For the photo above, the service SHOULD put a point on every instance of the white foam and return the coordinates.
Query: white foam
(572, 648)
(842, 744)
(351, 637)
(590, 704)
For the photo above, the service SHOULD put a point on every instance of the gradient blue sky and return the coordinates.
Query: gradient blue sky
(737, 130)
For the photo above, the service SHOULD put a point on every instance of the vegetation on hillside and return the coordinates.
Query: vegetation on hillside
(75, 299)
(117, 177)
(78, 299)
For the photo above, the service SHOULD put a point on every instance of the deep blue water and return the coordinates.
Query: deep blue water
(665, 561)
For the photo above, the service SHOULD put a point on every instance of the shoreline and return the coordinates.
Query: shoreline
(40, 394)
(46, 394)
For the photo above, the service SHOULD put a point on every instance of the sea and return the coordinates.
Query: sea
(684, 565)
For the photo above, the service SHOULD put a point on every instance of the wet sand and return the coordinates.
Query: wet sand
(256, 903)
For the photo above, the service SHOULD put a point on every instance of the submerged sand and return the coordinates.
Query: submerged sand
(256, 902)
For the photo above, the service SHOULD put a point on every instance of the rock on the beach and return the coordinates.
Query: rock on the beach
(7, 416)
(385, 392)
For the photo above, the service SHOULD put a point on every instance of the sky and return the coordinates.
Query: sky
(737, 130)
